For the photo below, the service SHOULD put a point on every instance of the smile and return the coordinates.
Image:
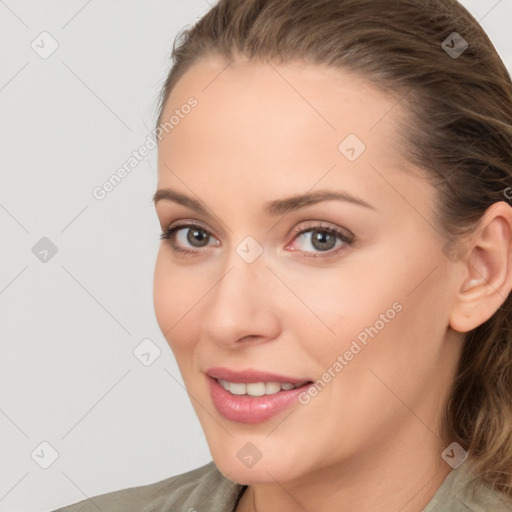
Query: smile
(253, 396)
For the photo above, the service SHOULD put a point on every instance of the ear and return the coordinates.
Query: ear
(486, 277)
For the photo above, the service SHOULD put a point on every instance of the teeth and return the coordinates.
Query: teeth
(272, 388)
(237, 388)
(224, 383)
(256, 388)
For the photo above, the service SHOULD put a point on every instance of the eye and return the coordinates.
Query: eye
(319, 239)
(188, 238)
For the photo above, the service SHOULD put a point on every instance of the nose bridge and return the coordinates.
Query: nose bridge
(241, 302)
(247, 275)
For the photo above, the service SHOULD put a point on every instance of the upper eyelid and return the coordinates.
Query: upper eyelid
(163, 214)
(342, 233)
(221, 231)
(311, 224)
(185, 223)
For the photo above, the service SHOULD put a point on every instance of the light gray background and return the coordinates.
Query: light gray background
(70, 324)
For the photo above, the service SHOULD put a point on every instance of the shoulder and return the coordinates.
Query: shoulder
(204, 488)
(463, 491)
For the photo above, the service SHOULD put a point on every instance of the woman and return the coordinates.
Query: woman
(334, 193)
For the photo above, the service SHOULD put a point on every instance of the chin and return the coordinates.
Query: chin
(238, 466)
(260, 473)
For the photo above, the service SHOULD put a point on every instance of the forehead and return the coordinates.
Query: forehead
(321, 97)
(263, 127)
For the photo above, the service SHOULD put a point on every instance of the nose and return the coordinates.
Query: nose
(241, 307)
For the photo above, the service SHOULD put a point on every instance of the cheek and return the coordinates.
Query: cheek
(334, 306)
(366, 306)
(176, 295)
(390, 332)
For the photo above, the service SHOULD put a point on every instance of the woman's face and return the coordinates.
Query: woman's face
(311, 257)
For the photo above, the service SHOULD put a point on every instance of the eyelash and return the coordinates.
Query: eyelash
(346, 239)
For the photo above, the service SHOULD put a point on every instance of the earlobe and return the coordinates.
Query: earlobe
(486, 279)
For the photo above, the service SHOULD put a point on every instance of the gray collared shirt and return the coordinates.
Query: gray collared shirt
(206, 489)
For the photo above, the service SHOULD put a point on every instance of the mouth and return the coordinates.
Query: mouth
(253, 397)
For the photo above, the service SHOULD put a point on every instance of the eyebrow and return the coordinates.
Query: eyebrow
(169, 194)
(272, 208)
(283, 206)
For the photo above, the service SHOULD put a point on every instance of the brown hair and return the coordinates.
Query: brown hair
(459, 130)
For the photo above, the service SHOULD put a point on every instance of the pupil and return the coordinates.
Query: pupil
(323, 241)
(197, 237)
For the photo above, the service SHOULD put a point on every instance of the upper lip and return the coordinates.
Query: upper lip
(248, 376)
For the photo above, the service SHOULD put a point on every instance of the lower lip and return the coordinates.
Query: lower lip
(252, 409)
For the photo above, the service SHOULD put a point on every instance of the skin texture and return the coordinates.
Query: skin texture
(370, 440)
